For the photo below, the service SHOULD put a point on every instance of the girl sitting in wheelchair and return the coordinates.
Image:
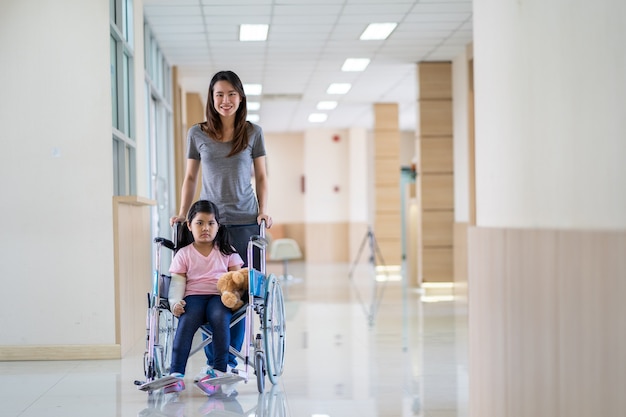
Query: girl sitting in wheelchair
(194, 298)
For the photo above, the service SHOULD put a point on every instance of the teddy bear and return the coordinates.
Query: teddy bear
(233, 286)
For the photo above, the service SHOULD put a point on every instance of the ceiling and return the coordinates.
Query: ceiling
(308, 42)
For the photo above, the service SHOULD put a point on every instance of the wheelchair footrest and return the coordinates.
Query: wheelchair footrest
(158, 383)
(223, 380)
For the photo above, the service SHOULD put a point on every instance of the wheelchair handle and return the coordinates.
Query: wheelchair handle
(260, 242)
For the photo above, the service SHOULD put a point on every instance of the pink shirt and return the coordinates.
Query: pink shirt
(202, 271)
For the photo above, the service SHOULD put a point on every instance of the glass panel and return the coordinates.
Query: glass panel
(126, 87)
(116, 168)
(153, 60)
(159, 75)
(112, 10)
(132, 171)
(126, 169)
(147, 39)
(128, 30)
(114, 97)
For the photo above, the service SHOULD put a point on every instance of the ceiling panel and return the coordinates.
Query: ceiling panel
(308, 41)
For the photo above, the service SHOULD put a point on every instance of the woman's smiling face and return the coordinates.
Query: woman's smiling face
(226, 99)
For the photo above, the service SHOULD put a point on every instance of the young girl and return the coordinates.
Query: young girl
(193, 293)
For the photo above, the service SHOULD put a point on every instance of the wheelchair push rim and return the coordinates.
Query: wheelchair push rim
(274, 329)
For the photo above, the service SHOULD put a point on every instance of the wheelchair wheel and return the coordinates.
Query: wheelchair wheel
(259, 366)
(167, 329)
(274, 329)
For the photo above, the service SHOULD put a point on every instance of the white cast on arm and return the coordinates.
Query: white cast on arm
(177, 290)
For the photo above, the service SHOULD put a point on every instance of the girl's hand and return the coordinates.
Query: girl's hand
(179, 308)
(267, 218)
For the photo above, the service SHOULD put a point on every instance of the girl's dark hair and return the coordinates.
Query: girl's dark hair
(213, 125)
(222, 238)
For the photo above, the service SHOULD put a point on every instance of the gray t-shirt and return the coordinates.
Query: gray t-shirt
(228, 181)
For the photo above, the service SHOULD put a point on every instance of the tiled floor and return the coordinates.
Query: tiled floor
(355, 347)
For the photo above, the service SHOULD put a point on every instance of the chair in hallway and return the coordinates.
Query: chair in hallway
(285, 250)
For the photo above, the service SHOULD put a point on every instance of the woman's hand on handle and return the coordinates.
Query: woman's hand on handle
(267, 218)
(177, 219)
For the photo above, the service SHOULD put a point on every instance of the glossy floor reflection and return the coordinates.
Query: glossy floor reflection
(354, 347)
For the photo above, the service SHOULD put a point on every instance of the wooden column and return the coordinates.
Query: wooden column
(195, 115)
(387, 215)
(435, 171)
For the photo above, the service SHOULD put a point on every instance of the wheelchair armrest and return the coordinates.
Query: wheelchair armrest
(165, 242)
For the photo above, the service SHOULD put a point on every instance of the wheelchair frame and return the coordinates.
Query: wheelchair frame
(265, 297)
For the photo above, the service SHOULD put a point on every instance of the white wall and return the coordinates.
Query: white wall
(285, 168)
(460, 137)
(326, 163)
(360, 170)
(56, 175)
(550, 107)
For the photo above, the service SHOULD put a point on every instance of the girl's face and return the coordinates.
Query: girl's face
(204, 228)
(226, 99)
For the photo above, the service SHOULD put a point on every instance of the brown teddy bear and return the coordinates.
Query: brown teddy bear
(233, 286)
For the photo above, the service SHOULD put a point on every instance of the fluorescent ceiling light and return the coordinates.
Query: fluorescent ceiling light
(377, 31)
(253, 118)
(253, 32)
(338, 88)
(355, 64)
(326, 105)
(318, 117)
(252, 89)
(254, 105)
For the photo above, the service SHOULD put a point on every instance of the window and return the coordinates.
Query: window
(122, 97)
(159, 130)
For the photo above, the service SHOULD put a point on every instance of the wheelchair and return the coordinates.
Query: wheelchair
(263, 352)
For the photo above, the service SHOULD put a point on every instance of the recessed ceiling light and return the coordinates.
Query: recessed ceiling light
(338, 88)
(254, 105)
(355, 64)
(253, 118)
(318, 117)
(377, 31)
(253, 89)
(253, 32)
(326, 105)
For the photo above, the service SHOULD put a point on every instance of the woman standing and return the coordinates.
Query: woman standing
(230, 150)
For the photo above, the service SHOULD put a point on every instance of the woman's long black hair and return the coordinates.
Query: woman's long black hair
(222, 238)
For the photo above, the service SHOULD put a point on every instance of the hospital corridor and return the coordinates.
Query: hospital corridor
(354, 347)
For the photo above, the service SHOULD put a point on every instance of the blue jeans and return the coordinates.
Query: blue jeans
(239, 236)
(201, 309)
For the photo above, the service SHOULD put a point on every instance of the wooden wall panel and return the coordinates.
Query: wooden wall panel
(391, 250)
(386, 144)
(438, 228)
(387, 213)
(435, 80)
(436, 155)
(435, 117)
(388, 199)
(439, 265)
(546, 322)
(326, 242)
(387, 172)
(133, 267)
(387, 226)
(436, 180)
(386, 117)
(437, 192)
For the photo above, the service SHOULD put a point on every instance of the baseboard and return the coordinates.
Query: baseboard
(59, 352)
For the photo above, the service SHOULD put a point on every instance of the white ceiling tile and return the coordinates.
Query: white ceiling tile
(169, 10)
(308, 42)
